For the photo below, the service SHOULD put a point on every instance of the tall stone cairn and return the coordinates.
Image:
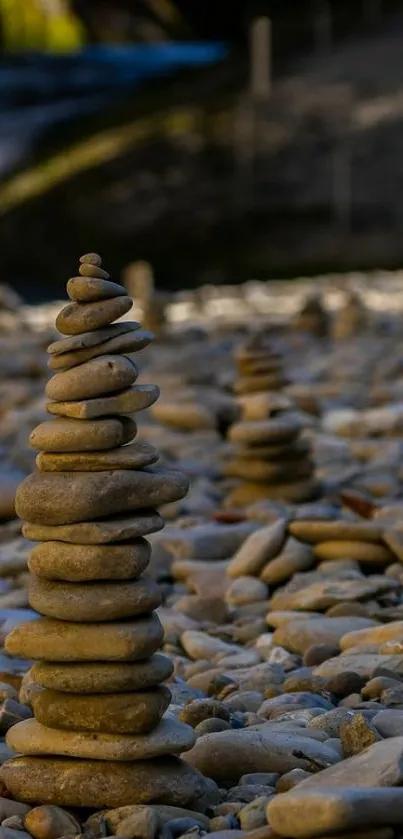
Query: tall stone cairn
(99, 737)
(269, 456)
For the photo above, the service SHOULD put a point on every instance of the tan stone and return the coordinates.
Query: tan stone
(68, 497)
(258, 470)
(89, 270)
(91, 259)
(169, 737)
(259, 406)
(71, 435)
(128, 342)
(112, 529)
(261, 381)
(282, 452)
(135, 456)
(377, 635)
(90, 602)
(135, 398)
(294, 557)
(103, 677)
(49, 822)
(93, 288)
(122, 713)
(86, 340)
(52, 640)
(349, 549)
(248, 493)
(325, 531)
(98, 377)
(264, 431)
(80, 563)
(99, 784)
(84, 317)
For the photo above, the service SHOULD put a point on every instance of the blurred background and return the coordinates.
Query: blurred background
(219, 140)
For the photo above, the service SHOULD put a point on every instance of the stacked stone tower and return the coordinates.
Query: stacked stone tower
(99, 736)
(269, 457)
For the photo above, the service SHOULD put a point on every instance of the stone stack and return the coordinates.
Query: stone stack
(99, 736)
(138, 279)
(269, 456)
(312, 317)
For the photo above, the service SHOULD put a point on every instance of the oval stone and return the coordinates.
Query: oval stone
(92, 288)
(102, 677)
(84, 317)
(134, 456)
(81, 563)
(98, 377)
(91, 602)
(71, 435)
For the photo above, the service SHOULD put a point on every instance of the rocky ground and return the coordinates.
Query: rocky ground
(284, 622)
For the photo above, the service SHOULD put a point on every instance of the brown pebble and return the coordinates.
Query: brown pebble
(87, 270)
(318, 653)
(91, 259)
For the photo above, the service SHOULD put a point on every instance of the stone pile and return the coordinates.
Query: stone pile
(99, 736)
(270, 457)
(138, 279)
(312, 317)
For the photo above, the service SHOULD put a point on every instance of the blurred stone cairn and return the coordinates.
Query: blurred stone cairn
(138, 279)
(99, 736)
(312, 317)
(269, 456)
(351, 319)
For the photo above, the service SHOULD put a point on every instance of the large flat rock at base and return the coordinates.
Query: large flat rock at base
(381, 765)
(111, 529)
(103, 677)
(81, 563)
(227, 755)
(67, 497)
(303, 815)
(94, 601)
(31, 738)
(52, 640)
(101, 784)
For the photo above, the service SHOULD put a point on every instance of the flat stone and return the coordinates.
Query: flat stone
(122, 713)
(71, 435)
(207, 541)
(250, 384)
(98, 377)
(54, 498)
(322, 594)
(169, 737)
(86, 563)
(366, 552)
(127, 342)
(52, 640)
(258, 549)
(112, 529)
(135, 398)
(296, 492)
(264, 431)
(375, 635)
(329, 531)
(297, 636)
(259, 406)
(134, 456)
(226, 755)
(281, 452)
(258, 470)
(93, 288)
(100, 677)
(363, 664)
(90, 602)
(92, 339)
(84, 317)
(100, 784)
(304, 814)
(89, 269)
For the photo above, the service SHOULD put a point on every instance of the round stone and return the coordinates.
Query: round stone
(122, 713)
(85, 340)
(112, 529)
(265, 431)
(71, 435)
(30, 737)
(134, 456)
(91, 259)
(84, 317)
(135, 398)
(84, 563)
(103, 677)
(98, 377)
(99, 784)
(52, 640)
(128, 342)
(91, 602)
(67, 497)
